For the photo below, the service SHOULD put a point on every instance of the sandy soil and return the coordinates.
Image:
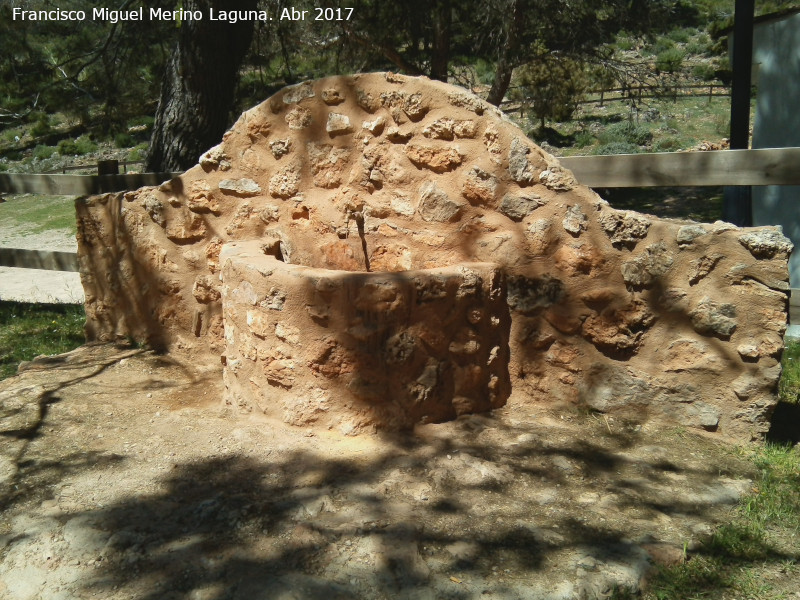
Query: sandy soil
(122, 475)
(34, 285)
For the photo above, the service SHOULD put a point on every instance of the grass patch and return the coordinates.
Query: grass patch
(28, 330)
(761, 537)
(36, 214)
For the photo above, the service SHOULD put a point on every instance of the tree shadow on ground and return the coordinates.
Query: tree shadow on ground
(443, 516)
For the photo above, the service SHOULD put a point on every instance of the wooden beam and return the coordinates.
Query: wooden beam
(768, 166)
(47, 260)
(77, 185)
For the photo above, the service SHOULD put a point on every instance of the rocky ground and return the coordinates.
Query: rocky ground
(123, 476)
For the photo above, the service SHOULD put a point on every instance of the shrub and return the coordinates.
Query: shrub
(705, 72)
(616, 148)
(41, 127)
(42, 152)
(67, 148)
(662, 44)
(667, 144)
(139, 152)
(583, 139)
(679, 35)
(83, 145)
(627, 132)
(670, 60)
(123, 140)
(10, 135)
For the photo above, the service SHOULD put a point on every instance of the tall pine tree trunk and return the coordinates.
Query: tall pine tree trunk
(509, 52)
(440, 57)
(199, 85)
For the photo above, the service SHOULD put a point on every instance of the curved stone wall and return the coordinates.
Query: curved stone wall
(625, 313)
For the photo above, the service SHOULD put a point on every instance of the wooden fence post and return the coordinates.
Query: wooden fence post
(108, 167)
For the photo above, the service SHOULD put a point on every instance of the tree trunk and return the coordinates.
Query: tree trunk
(440, 57)
(199, 86)
(505, 63)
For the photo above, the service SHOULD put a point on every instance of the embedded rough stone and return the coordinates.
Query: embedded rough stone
(557, 179)
(527, 295)
(375, 127)
(575, 221)
(298, 118)
(440, 129)
(618, 330)
(436, 205)
(215, 158)
(437, 159)
(750, 350)
(687, 355)
(285, 183)
(240, 187)
(578, 258)
(200, 198)
(296, 93)
(713, 318)
(520, 168)
(688, 233)
(280, 148)
(766, 244)
(328, 164)
(703, 415)
(338, 124)
(479, 187)
(465, 129)
(155, 208)
(205, 290)
(701, 267)
(624, 228)
(518, 206)
(186, 228)
(644, 270)
(332, 96)
(746, 385)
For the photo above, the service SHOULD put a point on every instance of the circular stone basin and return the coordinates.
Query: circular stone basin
(356, 350)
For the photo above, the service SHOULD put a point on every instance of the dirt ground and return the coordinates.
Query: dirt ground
(35, 285)
(122, 475)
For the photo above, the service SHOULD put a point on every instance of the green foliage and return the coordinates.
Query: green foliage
(138, 152)
(705, 72)
(554, 85)
(9, 135)
(42, 152)
(681, 36)
(123, 140)
(584, 139)
(41, 126)
(37, 214)
(28, 330)
(789, 389)
(79, 147)
(662, 44)
(627, 132)
(730, 559)
(670, 61)
(616, 148)
(722, 125)
(667, 144)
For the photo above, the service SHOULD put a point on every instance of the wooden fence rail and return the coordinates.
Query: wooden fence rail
(770, 166)
(77, 185)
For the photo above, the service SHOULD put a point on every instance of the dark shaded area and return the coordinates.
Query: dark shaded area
(702, 204)
(785, 424)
